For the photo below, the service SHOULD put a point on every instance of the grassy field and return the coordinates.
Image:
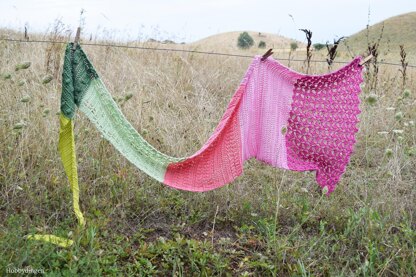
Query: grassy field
(268, 222)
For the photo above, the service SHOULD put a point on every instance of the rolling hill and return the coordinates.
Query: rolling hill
(398, 30)
(228, 42)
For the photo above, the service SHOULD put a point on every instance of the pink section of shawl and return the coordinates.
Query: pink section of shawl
(284, 118)
(322, 123)
(218, 162)
(265, 111)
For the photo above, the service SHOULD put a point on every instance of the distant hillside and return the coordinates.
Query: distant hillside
(228, 42)
(222, 42)
(398, 30)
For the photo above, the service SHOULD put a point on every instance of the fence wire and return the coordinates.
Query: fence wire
(186, 51)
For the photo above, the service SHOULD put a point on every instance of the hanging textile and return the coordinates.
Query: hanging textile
(284, 118)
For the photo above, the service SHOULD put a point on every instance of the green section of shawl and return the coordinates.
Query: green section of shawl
(98, 105)
(82, 87)
(76, 77)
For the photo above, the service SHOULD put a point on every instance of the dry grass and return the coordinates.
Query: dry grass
(267, 222)
(398, 30)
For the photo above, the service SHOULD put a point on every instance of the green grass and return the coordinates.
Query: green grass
(359, 241)
(268, 222)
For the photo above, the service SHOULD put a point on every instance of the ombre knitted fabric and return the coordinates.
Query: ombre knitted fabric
(283, 118)
(286, 119)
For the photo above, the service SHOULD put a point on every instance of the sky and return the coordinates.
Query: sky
(187, 21)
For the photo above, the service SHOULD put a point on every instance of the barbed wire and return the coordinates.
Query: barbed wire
(185, 51)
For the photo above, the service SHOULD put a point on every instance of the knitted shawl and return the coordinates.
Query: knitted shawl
(284, 118)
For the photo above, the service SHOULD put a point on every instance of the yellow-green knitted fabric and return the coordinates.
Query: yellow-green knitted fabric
(67, 150)
(68, 156)
(52, 239)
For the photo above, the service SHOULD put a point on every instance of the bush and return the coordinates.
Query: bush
(293, 46)
(318, 46)
(262, 44)
(245, 41)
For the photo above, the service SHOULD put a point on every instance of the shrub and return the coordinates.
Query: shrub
(245, 41)
(293, 46)
(262, 44)
(318, 46)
